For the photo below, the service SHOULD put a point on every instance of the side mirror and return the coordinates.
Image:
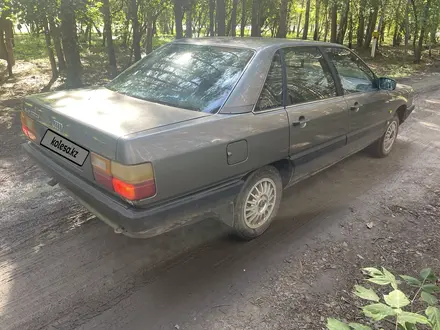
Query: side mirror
(387, 83)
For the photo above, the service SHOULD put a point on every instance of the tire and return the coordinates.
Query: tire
(382, 147)
(266, 187)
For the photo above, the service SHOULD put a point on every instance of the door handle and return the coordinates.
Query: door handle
(355, 107)
(302, 122)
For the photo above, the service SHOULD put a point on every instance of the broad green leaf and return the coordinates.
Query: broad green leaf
(412, 318)
(429, 298)
(427, 274)
(411, 280)
(373, 271)
(358, 326)
(396, 299)
(390, 277)
(378, 311)
(364, 293)
(433, 314)
(333, 324)
(379, 280)
(430, 288)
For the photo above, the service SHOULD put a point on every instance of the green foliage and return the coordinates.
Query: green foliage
(394, 303)
(433, 314)
(364, 293)
(383, 277)
(358, 326)
(429, 298)
(333, 324)
(29, 47)
(396, 299)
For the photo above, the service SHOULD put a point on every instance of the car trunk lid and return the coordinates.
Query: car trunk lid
(96, 118)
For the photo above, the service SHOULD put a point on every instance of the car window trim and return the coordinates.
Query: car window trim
(339, 92)
(340, 97)
(251, 59)
(337, 73)
(334, 72)
(283, 105)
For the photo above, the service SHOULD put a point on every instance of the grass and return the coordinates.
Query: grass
(29, 47)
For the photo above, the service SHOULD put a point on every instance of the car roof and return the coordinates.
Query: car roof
(253, 42)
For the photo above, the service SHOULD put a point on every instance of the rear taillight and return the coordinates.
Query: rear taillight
(133, 182)
(27, 125)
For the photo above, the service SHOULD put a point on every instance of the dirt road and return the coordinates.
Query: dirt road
(61, 268)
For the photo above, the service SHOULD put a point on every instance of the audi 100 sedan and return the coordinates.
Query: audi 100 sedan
(214, 127)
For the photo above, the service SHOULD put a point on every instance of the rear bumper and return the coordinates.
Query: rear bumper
(142, 222)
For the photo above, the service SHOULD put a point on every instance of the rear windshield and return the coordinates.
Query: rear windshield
(192, 77)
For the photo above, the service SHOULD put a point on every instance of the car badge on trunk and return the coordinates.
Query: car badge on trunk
(57, 125)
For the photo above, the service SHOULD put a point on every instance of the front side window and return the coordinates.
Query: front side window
(272, 94)
(194, 77)
(355, 75)
(308, 76)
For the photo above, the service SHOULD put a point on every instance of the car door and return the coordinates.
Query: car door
(318, 114)
(369, 106)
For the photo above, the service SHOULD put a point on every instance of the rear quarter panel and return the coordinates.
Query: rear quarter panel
(192, 156)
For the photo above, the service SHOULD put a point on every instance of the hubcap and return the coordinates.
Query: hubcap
(390, 136)
(260, 203)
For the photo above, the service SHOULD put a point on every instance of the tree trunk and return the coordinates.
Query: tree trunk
(327, 22)
(221, 18)
(350, 31)
(306, 21)
(136, 32)
(188, 21)
(416, 30)
(53, 63)
(397, 25)
(150, 33)
(298, 28)
(6, 41)
(55, 32)
(418, 50)
(234, 18)
(211, 17)
(178, 15)
(87, 33)
(103, 37)
(70, 45)
(343, 23)
(361, 25)
(334, 23)
(371, 24)
(316, 34)
(256, 32)
(407, 25)
(109, 36)
(243, 18)
(126, 33)
(90, 37)
(433, 34)
(282, 29)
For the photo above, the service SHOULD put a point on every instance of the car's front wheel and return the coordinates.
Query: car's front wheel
(382, 147)
(258, 202)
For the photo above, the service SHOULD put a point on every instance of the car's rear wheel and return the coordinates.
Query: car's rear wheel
(382, 147)
(258, 202)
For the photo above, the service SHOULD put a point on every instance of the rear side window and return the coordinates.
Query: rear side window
(355, 75)
(308, 75)
(272, 94)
